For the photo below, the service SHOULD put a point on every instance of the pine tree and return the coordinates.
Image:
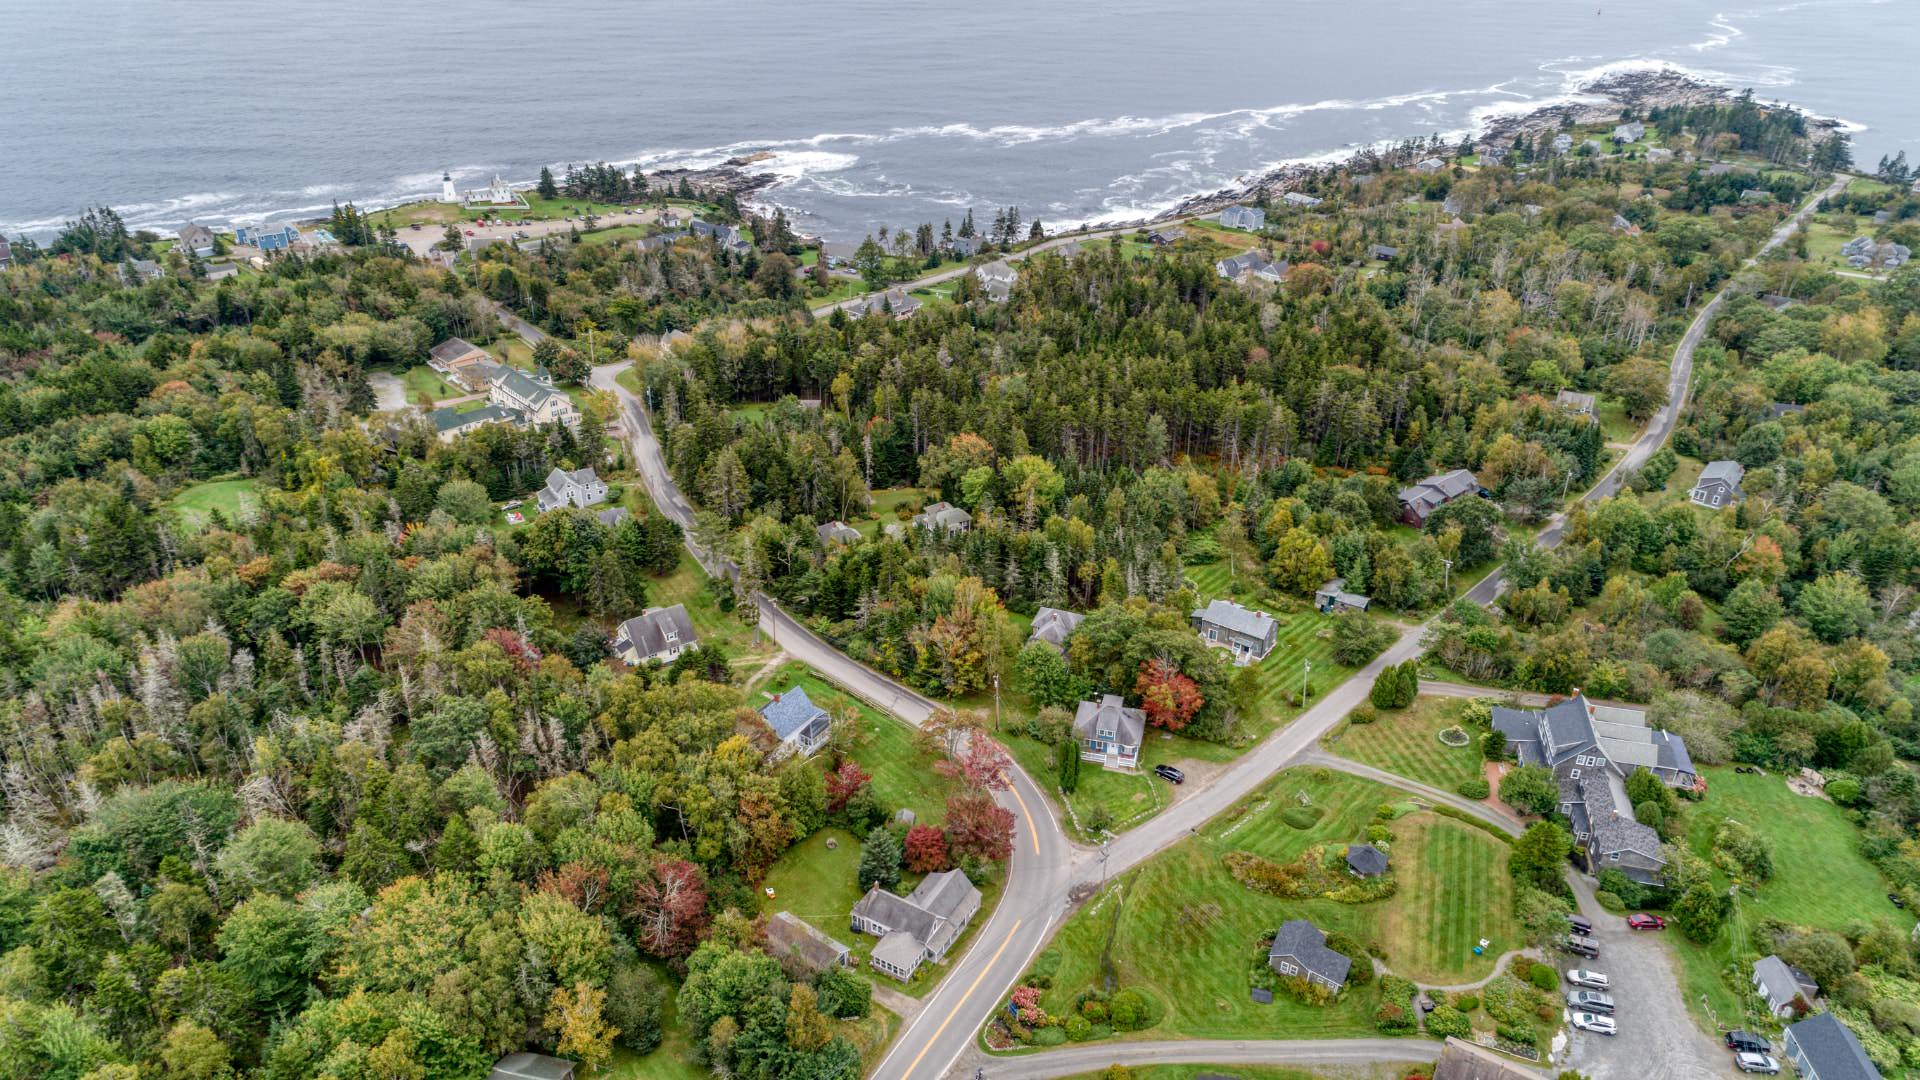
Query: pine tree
(547, 189)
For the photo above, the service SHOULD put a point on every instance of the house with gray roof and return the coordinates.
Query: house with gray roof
(1110, 733)
(532, 396)
(1756, 195)
(142, 270)
(802, 949)
(1054, 626)
(1248, 634)
(1562, 143)
(454, 356)
(1419, 501)
(1462, 1060)
(1659, 155)
(1383, 252)
(919, 927)
(943, 517)
(1821, 1048)
(1494, 155)
(1250, 218)
(1432, 164)
(1300, 951)
(895, 301)
(996, 280)
(1575, 401)
(661, 633)
(1632, 131)
(525, 1066)
(1780, 984)
(1591, 750)
(1784, 408)
(661, 241)
(1365, 860)
(196, 239)
(578, 487)
(612, 516)
(449, 423)
(801, 726)
(1719, 484)
(1300, 199)
(726, 236)
(836, 532)
(1333, 596)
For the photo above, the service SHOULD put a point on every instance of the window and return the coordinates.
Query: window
(1212, 634)
(1573, 774)
(1566, 808)
(1287, 968)
(1613, 856)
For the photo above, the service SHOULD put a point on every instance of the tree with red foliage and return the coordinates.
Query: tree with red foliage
(579, 884)
(926, 849)
(844, 783)
(982, 765)
(1167, 696)
(523, 655)
(978, 826)
(669, 909)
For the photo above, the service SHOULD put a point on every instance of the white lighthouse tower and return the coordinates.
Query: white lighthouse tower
(447, 194)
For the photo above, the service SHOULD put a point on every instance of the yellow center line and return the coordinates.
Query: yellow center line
(1032, 833)
(971, 987)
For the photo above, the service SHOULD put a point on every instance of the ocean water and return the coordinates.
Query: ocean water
(876, 111)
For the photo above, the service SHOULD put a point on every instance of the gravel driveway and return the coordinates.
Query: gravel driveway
(1658, 1039)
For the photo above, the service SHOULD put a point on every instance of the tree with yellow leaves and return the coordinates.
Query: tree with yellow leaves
(584, 1035)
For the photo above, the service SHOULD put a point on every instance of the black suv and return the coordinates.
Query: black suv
(1580, 923)
(1170, 774)
(1747, 1042)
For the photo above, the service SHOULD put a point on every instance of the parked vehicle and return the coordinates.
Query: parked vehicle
(1592, 980)
(1594, 1022)
(1170, 774)
(1589, 1001)
(1582, 946)
(1580, 923)
(1644, 921)
(1757, 1063)
(1747, 1042)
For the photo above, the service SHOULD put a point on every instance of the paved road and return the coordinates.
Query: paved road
(422, 240)
(1679, 381)
(1073, 1060)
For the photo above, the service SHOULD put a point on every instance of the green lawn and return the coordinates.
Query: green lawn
(1615, 424)
(1820, 879)
(1305, 635)
(227, 496)
(1183, 929)
(1127, 798)
(421, 380)
(888, 500)
(688, 585)
(1406, 743)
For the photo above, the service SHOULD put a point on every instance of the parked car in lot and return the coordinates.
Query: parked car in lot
(1170, 774)
(1592, 980)
(1581, 946)
(1747, 1042)
(1581, 924)
(1589, 1001)
(1757, 1063)
(1594, 1022)
(1644, 921)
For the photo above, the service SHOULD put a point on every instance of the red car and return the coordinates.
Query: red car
(1644, 921)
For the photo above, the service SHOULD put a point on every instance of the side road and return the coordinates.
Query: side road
(1074, 1060)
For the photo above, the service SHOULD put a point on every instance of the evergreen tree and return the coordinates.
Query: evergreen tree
(547, 189)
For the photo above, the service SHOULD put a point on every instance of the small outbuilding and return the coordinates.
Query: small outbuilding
(1780, 984)
(1300, 951)
(526, 1066)
(1366, 861)
(798, 944)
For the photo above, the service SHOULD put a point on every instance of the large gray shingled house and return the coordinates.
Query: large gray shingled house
(918, 927)
(1592, 749)
(1249, 635)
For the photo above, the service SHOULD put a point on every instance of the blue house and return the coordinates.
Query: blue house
(801, 726)
(267, 237)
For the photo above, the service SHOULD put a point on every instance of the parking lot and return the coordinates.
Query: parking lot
(1658, 1039)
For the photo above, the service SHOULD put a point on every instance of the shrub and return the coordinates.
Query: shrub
(1466, 1003)
(1522, 1033)
(1378, 834)
(1395, 1011)
(1476, 788)
(1363, 713)
(1844, 791)
(1353, 949)
(1130, 1010)
(1302, 817)
(1630, 892)
(1446, 1020)
(1609, 902)
(1543, 977)
(1095, 1011)
(1049, 1036)
(843, 994)
(1077, 1028)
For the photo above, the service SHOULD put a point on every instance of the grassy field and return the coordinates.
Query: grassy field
(194, 504)
(1406, 743)
(688, 585)
(1615, 424)
(1820, 879)
(1304, 636)
(1127, 799)
(422, 381)
(1183, 929)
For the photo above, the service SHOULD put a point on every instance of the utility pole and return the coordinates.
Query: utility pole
(1103, 860)
(1446, 576)
(996, 704)
(1306, 683)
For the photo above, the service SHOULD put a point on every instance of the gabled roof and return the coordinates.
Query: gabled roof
(525, 1066)
(1463, 1060)
(1440, 488)
(930, 915)
(1054, 625)
(612, 516)
(1727, 472)
(1573, 399)
(1307, 943)
(790, 711)
(1000, 270)
(1780, 982)
(516, 382)
(453, 349)
(1833, 1051)
(648, 631)
(789, 935)
(837, 532)
(1109, 714)
(1231, 616)
(448, 418)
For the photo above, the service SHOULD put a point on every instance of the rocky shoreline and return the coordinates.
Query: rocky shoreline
(1599, 102)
